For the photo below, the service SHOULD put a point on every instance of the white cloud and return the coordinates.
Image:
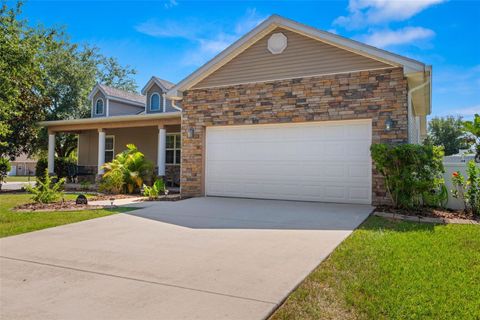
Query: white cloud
(388, 38)
(170, 3)
(209, 38)
(250, 20)
(168, 29)
(363, 13)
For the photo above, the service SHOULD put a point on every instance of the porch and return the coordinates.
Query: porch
(99, 140)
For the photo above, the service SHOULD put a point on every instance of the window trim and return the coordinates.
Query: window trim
(174, 149)
(113, 146)
(159, 102)
(103, 106)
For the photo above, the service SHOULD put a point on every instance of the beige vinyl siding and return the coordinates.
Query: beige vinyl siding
(302, 57)
(145, 138)
(88, 148)
(117, 108)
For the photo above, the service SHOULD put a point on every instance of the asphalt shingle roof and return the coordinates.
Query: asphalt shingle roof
(123, 94)
(167, 84)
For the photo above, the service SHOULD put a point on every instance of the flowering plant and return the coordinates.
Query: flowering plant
(468, 190)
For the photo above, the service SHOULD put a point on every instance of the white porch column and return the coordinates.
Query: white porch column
(51, 152)
(162, 144)
(101, 150)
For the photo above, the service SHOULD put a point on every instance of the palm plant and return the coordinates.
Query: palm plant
(473, 127)
(132, 166)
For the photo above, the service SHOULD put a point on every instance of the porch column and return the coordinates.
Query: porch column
(51, 152)
(101, 150)
(162, 144)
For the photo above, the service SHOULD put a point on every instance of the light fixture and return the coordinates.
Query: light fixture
(191, 132)
(389, 124)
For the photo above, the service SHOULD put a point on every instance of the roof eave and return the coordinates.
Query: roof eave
(149, 84)
(134, 117)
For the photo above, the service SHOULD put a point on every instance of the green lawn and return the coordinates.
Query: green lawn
(20, 178)
(394, 270)
(12, 223)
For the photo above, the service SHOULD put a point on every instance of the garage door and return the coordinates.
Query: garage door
(316, 161)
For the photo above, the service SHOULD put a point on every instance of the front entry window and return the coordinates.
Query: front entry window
(173, 148)
(109, 148)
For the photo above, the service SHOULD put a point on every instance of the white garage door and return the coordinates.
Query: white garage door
(316, 161)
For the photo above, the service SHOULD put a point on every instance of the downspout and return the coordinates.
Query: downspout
(410, 111)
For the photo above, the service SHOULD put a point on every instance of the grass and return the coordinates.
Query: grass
(394, 270)
(20, 178)
(12, 223)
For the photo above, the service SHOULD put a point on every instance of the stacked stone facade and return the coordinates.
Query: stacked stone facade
(375, 94)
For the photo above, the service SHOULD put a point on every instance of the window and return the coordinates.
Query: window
(109, 148)
(99, 106)
(173, 148)
(155, 102)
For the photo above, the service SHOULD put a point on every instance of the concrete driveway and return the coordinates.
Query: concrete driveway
(203, 258)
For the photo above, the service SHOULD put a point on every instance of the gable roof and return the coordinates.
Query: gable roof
(162, 83)
(118, 94)
(275, 21)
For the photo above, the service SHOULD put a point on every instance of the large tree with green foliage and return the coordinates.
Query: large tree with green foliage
(43, 76)
(447, 132)
(22, 91)
(71, 73)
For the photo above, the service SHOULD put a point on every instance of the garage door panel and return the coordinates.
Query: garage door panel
(314, 161)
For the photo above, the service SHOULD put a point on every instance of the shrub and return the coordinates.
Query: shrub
(46, 190)
(468, 190)
(155, 190)
(112, 183)
(473, 127)
(132, 166)
(64, 167)
(4, 169)
(413, 173)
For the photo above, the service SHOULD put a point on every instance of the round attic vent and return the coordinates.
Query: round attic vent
(277, 43)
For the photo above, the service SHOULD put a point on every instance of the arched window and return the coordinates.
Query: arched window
(99, 106)
(155, 102)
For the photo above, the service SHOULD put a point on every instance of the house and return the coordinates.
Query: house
(286, 112)
(23, 165)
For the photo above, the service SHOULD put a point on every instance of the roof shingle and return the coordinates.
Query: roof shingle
(114, 92)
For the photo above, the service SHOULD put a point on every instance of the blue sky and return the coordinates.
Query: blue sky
(172, 38)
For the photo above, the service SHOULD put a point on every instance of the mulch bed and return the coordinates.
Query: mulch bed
(169, 197)
(56, 206)
(429, 213)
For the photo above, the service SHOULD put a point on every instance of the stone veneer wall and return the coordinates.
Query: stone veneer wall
(375, 94)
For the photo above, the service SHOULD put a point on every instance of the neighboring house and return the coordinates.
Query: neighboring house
(23, 165)
(286, 112)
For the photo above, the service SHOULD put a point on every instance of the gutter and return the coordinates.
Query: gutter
(410, 107)
(134, 117)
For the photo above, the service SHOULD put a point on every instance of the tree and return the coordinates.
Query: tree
(112, 74)
(473, 127)
(71, 73)
(43, 76)
(22, 98)
(4, 169)
(447, 132)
